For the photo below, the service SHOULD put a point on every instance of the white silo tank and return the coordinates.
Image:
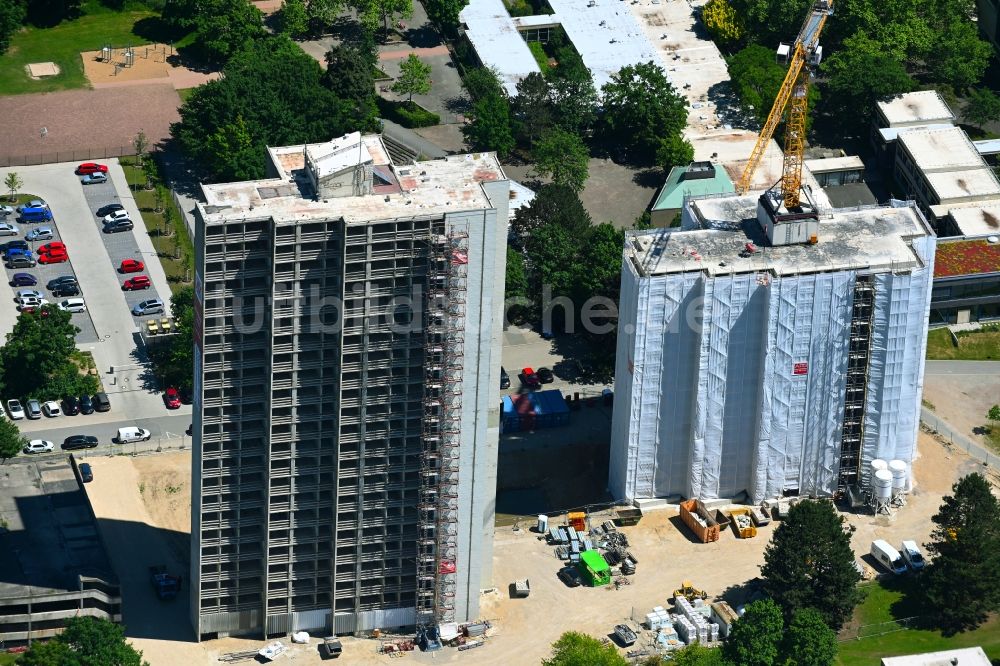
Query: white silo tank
(878, 464)
(543, 523)
(882, 485)
(899, 475)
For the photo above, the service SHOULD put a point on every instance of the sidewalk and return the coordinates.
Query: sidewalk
(953, 436)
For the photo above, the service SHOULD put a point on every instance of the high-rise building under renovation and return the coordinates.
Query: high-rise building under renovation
(769, 354)
(347, 365)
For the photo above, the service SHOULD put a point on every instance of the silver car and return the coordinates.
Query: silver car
(39, 446)
(8, 229)
(93, 178)
(148, 307)
(40, 233)
(34, 409)
(15, 410)
(5, 211)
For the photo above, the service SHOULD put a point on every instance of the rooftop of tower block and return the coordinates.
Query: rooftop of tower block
(373, 187)
(877, 238)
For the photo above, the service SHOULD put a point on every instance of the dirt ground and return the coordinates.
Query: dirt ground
(153, 492)
(961, 402)
(84, 124)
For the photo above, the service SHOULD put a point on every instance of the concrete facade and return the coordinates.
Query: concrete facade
(347, 360)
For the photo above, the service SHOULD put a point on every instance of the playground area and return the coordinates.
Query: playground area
(115, 66)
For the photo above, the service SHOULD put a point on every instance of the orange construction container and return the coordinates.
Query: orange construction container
(696, 516)
(578, 520)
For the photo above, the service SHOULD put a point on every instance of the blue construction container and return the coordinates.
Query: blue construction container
(530, 411)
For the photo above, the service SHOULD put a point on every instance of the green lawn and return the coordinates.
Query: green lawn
(877, 608)
(63, 44)
(972, 345)
(7, 659)
(541, 57)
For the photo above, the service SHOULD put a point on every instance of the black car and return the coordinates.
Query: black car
(16, 245)
(86, 405)
(101, 402)
(23, 280)
(66, 289)
(70, 406)
(108, 209)
(185, 395)
(570, 576)
(74, 442)
(545, 375)
(115, 226)
(504, 379)
(86, 474)
(61, 281)
(20, 261)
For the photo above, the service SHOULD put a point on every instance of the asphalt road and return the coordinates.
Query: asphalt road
(167, 431)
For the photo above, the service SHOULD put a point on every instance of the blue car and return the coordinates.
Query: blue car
(23, 280)
(17, 252)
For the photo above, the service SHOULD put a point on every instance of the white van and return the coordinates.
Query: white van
(911, 554)
(132, 434)
(888, 557)
(73, 305)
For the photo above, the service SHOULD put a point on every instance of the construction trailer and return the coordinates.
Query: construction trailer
(594, 569)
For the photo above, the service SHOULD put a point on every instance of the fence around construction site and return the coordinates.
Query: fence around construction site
(949, 434)
(81, 155)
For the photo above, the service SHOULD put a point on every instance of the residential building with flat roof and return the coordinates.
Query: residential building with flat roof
(966, 281)
(347, 369)
(973, 656)
(697, 179)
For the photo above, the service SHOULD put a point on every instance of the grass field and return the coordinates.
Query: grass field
(62, 45)
(972, 345)
(885, 603)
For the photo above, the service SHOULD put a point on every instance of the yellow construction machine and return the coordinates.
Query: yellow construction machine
(690, 591)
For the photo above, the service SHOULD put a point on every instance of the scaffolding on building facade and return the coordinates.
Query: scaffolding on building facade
(856, 389)
(444, 326)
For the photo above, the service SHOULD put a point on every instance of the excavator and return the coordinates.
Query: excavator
(803, 56)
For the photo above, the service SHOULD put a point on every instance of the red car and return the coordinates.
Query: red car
(131, 266)
(53, 247)
(530, 378)
(172, 398)
(91, 167)
(53, 257)
(136, 283)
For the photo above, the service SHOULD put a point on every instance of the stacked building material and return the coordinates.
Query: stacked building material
(696, 616)
(535, 410)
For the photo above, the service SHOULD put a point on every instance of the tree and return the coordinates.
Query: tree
(960, 582)
(293, 19)
(722, 22)
(11, 18)
(444, 13)
(574, 98)
(13, 182)
(810, 564)
(490, 127)
(140, 142)
(370, 12)
(322, 13)
(481, 82)
(697, 655)
(994, 413)
(553, 204)
(350, 76)
(532, 107)
(674, 151)
(771, 21)
(755, 638)
(982, 107)
(11, 441)
(576, 649)
(271, 94)
(959, 57)
(48, 13)
(858, 78)
(86, 641)
(174, 359)
(562, 157)
(221, 28)
(414, 78)
(641, 107)
(809, 641)
(756, 78)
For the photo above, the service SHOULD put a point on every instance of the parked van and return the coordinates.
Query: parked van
(888, 557)
(911, 554)
(133, 434)
(36, 214)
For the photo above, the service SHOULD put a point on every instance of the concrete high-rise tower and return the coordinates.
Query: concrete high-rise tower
(347, 362)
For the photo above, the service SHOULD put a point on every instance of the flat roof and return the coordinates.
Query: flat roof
(892, 133)
(677, 187)
(606, 35)
(977, 220)
(494, 36)
(915, 107)
(971, 256)
(434, 187)
(945, 148)
(51, 537)
(848, 239)
(950, 185)
(832, 164)
(973, 656)
(987, 146)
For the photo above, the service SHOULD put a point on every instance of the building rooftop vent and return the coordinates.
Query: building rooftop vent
(993, 239)
(699, 170)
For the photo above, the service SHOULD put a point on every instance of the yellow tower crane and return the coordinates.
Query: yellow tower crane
(805, 54)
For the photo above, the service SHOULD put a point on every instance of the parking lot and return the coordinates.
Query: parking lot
(109, 331)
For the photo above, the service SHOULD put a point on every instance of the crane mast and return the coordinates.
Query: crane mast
(793, 95)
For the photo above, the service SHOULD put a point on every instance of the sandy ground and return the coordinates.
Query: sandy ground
(143, 510)
(963, 401)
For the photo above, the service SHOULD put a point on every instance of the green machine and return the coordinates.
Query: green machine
(594, 569)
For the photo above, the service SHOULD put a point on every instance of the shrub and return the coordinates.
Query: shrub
(407, 114)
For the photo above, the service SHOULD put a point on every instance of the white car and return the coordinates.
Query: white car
(6, 210)
(911, 554)
(73, 305)
(15, 410)
(39, 446)
(116, 215)
(8, 229)
(32, 303)
(40, 233)
(132, 434)
(34, 203)
(51, 409)
(23, 294)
